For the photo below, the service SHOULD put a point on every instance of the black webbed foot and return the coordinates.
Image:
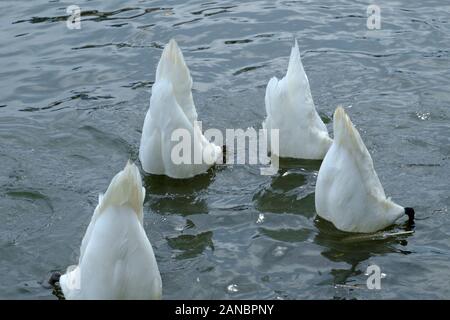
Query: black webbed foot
(54, 278)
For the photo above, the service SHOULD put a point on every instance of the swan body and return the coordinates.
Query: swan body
(172, 111)
(348, 191)
(290, 109)
(116, 258)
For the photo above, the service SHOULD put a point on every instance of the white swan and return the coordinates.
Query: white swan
(348, 191)
(116, 258)
(290, 109)
(172, 111)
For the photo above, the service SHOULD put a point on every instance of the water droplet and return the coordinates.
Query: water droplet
(232, 288)
(423, 115)
(260, 218)
(279, 251)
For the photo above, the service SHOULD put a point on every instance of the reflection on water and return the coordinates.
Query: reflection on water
(291, 190)
(160, 185)
(286, 235)
(73, 104)
(180, 196)
(354, 249)
(191, 245)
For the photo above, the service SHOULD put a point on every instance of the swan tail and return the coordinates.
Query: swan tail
(172, 66)
(297, 81)
(346, 133)
(295, 66)
(296, 73)
(125, 189)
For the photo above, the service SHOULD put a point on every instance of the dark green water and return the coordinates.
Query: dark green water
(72, 105)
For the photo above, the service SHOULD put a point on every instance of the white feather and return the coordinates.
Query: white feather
(116, 258)
(173, 68)
(290, 109)
(348, 191)
(172, 108)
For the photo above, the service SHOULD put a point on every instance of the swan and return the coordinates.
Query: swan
(348, 191)
(116, 258)
(171, 114)
(290, 109)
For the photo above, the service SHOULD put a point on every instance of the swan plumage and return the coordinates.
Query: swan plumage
(171, 108)
(290, 109)
(348, 190)
(116, 258)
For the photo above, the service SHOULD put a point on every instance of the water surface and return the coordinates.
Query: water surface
(72, 105)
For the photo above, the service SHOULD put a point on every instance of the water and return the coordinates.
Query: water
(72, 107)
